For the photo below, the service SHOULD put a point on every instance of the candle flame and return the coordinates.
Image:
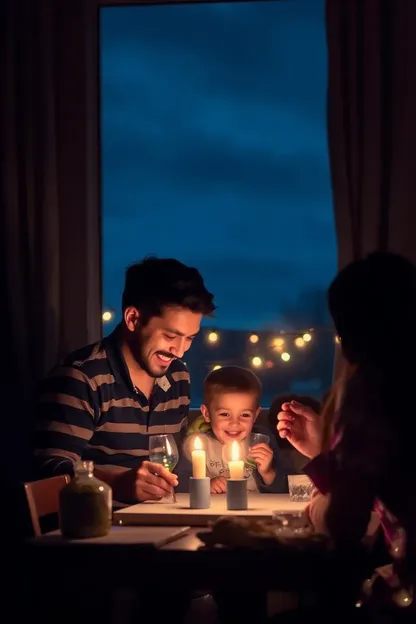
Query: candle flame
(235, 451)
(197, 444)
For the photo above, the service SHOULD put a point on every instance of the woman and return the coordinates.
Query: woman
(373, 305)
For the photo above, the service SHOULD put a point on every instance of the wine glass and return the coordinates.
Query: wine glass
(163, 450)
(256, 438)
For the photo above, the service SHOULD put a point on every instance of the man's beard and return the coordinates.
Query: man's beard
(137, 348)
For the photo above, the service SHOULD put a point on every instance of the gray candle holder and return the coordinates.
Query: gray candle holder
(236, 494)
(200, 493)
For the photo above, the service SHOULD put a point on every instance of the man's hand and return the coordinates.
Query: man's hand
(149, 482)
(263, 456)
(218, 485)
(302, 427)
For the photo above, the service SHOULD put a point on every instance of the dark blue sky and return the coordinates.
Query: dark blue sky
(215, 151)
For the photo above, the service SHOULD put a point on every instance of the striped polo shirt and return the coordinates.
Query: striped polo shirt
(89, 409)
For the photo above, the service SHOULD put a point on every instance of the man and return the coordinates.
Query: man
(104, 400)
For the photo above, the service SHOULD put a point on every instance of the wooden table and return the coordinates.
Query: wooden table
(125, 545)
(260, 507)
(125, 560)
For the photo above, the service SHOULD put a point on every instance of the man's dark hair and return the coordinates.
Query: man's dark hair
(155, 283)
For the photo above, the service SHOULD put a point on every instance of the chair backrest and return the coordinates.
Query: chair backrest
(43, 498)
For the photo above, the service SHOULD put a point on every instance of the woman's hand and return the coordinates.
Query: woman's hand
(302, 427)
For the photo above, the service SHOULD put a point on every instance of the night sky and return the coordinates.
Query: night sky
(214, 151)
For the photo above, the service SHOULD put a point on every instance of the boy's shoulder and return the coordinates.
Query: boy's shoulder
(199, 425)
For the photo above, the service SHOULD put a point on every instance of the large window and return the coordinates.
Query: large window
(214, 151)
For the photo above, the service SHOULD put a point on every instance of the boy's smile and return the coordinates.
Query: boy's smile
(232, 415)
(235, 435)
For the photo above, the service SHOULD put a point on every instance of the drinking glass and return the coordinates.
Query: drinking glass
(163, 450)
(300, 488)
(256, 438)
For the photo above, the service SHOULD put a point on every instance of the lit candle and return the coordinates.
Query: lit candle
(236, 466)
(199, 470)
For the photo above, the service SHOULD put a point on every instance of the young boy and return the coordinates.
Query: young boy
(230, 409)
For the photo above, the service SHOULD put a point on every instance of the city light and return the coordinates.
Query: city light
(285, 356)
(257, 362)
(307, 337)
(299, 342)
(254, 338)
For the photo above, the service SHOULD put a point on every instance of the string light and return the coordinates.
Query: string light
(299, 338)
(299, 342)
(107, 316)
(213, 337)
(278, 343)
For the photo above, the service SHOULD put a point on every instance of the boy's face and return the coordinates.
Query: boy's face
(232, 415)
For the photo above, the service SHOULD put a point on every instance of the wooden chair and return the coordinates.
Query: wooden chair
(43, 498)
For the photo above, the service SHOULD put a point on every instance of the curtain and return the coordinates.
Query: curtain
(372, 124)
(372, 128)
(49, 220)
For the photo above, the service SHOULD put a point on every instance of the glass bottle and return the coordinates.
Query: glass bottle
(85, 504)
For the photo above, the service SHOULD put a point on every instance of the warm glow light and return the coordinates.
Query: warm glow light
(199, 470)
(254, 338)
(269, 364)
(278, 343)
(107, 316)
(299, 342)
(257, 362)
(216, 367)
(235, 451)
(285, 356)
(236, 465)
(307, 337)
(213, 337)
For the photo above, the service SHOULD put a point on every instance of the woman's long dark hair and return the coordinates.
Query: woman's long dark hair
(373, 304)
(332, 403)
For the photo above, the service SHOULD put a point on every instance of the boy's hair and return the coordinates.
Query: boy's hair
(155, 283)
(231, 379)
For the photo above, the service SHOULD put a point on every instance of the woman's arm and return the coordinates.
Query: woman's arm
(317, 511)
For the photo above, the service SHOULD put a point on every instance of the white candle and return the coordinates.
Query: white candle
(199, 470)
(235, 465)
